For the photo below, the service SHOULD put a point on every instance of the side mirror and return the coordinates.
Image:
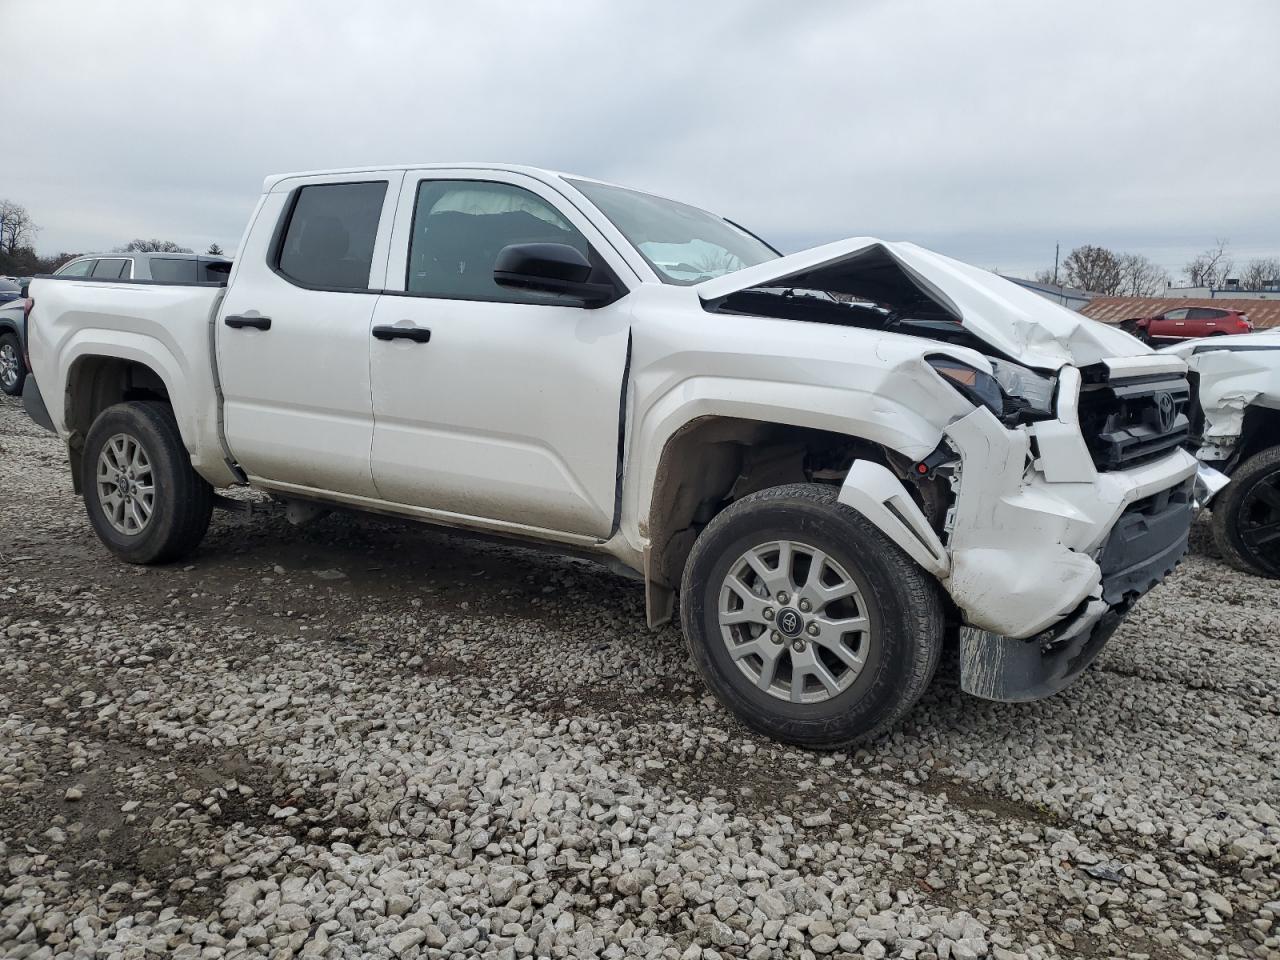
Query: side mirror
(26, 290)
(551, 268)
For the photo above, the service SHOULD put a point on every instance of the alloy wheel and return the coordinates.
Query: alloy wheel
(126, 484)
(794, 621)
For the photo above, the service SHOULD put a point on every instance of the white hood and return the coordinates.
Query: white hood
(1012, 319)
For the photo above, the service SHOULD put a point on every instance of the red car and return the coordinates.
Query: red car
(1185, 323)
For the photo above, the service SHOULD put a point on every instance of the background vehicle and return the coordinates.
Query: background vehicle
(166, 267)
(13, 368)
(1235, 427)
(823, 478)
(1184, 323)
(10, 290)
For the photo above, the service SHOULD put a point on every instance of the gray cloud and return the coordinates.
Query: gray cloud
(988, 131)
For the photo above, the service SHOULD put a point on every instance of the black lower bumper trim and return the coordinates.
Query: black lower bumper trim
(33, 403)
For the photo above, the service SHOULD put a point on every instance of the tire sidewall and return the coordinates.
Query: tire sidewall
(134, 420)
(847, 538)
(1228, 513)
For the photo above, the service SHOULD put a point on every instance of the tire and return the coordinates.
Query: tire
(1246, 516)
(899, 603)
(13, 371)
(181, 500)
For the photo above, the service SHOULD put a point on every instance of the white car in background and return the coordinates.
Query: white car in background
(1236, 429)
(827, 456)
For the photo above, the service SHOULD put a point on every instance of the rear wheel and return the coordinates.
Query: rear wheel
(144, 500)
(13, 372)
(1246, 515)
(806, 621)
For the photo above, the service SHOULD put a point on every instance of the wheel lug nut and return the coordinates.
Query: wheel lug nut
(813, 629)
(775, 636)
(782, 597)
(805, 606)
(797, 645)
(768, 613)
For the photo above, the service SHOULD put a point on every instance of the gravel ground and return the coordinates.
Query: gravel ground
(366, 739)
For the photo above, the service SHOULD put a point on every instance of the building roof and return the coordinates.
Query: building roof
(1052, 289)
(1264, 313)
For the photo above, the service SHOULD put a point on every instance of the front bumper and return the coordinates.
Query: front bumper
(1143, 547)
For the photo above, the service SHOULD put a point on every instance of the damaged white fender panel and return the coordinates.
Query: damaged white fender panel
(878, 495)
(1023, 548)
(1235, 373)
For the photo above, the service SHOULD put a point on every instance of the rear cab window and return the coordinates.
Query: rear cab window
(329, 236)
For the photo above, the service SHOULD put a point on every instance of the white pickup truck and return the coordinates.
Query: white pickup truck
(830, 458)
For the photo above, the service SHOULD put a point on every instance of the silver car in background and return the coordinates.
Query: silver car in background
(164, 267)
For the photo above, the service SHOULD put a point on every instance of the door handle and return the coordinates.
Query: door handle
(257, 323)
(389, 332)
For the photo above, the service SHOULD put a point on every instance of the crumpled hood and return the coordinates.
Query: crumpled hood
(1012, 319)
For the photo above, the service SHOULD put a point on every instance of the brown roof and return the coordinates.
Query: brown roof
(1263, 313)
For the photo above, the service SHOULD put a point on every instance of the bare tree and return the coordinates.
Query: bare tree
(214, 250)
(17, 229)
(1139, 277)
(152, 246)
(1210, 268)
(1044, 276)
(1262, 272)
(1092, 268)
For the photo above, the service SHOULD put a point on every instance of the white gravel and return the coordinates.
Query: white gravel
(363, 739)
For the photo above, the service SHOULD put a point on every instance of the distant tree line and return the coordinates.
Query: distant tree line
(18, 257)
(1113, 274)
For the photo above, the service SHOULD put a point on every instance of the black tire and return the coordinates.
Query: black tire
(1246, 514)
(9, 342)
(183, 500)
(901, 602)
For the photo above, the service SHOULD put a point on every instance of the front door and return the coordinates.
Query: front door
(508, 415)
(293, 333)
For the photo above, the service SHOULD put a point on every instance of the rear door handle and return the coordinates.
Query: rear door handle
(238, 322)
(389, 332)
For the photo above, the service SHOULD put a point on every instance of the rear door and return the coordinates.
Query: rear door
(293, 332)
(509, 415)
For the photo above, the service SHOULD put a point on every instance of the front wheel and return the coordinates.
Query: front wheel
(1246, 516)
(144, 500)
(805, 621)
(12, 369)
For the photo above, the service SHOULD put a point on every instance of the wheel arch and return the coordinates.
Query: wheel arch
(713, 460)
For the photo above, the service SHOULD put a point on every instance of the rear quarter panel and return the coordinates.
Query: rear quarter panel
(166, 328)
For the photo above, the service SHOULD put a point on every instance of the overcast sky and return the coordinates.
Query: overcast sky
(986, 130)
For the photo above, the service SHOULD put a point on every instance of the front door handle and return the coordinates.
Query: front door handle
(257, 323)
(389, 332)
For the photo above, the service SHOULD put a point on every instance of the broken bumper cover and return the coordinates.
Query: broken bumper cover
(1143, 547)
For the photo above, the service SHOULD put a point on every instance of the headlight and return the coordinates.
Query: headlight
(978, 385)
(1010, 391)
(1032, 393)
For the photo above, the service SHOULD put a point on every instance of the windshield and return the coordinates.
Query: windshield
(682, 243)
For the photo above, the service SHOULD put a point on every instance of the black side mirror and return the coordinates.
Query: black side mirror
(551, 268)
(26, 290)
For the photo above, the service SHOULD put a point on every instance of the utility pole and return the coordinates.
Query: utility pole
(1055, 264)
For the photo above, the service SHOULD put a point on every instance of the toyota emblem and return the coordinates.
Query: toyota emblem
(1166, 412)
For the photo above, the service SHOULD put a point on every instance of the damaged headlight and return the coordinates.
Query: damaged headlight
(1032, 393)
(1012, 392)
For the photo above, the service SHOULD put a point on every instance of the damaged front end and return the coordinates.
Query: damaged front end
(1071, 493)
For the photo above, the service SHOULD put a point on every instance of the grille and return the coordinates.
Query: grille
(1132, 421)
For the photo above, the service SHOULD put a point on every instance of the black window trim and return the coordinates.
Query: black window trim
(564, 301)
(276, 247)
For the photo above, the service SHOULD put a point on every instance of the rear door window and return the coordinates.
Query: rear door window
(328, 242)
(111, 269)
(174, 270)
